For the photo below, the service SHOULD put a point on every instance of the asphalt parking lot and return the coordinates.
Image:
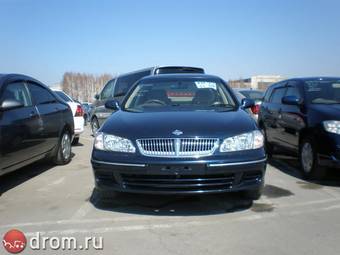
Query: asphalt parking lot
(292, 217)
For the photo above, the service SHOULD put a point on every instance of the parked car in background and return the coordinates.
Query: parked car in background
(87, 107)
(240, 97)
(256, 95)
(34, 124)
(179, 134)
(119, 86)
(302, 116)
(78, 114)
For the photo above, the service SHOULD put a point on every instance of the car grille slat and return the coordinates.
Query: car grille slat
(147, 180)
(177, 147)
(178, 182)
(177, 185)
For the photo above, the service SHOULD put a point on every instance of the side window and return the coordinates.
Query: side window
(40, 95)
(107, 90)
(293, 90)
(277, 95)
(17, 91)
(124, 83)
(267, 95)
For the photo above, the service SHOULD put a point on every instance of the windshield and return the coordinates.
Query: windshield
(323, 91)
(63, 96)
(176, 95)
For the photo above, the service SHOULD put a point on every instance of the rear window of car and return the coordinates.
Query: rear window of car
(63, 96)
(124, 83)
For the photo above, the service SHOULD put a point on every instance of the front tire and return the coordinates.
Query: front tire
(63, 151)
(308, 160)
(268, 147)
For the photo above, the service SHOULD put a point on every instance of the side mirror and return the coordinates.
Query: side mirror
(247, 103)
(291, 100)
(9, 104)
(96, 96)
(112, 105)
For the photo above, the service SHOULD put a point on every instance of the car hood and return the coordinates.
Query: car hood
(326, 111)
(194, 123)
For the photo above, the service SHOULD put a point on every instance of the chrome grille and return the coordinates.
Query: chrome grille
(178, 147)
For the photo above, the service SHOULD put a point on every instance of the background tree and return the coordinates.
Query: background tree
(82, 86)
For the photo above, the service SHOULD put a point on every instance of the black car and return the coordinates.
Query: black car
(119, 86)
(179, 134)
(302, 116)
(34, 123)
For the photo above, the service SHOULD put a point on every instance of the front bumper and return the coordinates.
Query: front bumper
(179, 177)
(329, 150)
(78, 125)
(331, 160)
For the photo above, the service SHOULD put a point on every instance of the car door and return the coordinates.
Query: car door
(49, 110)
(271, 111)
(107, 93)
(124, 83)
(292, 118)
(20, 128)
(273, 128)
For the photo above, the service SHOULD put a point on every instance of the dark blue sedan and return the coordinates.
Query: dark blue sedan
(180, 134)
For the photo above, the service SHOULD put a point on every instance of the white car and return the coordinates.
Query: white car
(78, 114)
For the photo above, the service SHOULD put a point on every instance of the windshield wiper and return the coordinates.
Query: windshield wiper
(133, 110)
(222, 105)
(120, 94)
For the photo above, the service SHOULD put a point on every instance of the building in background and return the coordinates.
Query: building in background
(261, 82)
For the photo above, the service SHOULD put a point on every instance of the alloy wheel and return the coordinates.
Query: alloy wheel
(66, 146)
(94, 126)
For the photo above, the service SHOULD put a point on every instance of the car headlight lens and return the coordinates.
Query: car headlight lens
(113, 143)
(247, 141)
(332, 126)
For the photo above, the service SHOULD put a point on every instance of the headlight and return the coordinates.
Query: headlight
(332, 126)
(113, 143)
(247, 141)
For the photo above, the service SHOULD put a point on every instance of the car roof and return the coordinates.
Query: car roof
(247, 89)
(303, 79)
(180, 76)
(179, 69)
(320, 78)
(13, 76)
(154, 68)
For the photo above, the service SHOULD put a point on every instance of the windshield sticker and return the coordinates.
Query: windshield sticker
(205, 85)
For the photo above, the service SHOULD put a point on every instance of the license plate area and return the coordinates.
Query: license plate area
(177, 169)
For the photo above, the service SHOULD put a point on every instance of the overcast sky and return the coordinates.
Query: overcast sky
(232, 39)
